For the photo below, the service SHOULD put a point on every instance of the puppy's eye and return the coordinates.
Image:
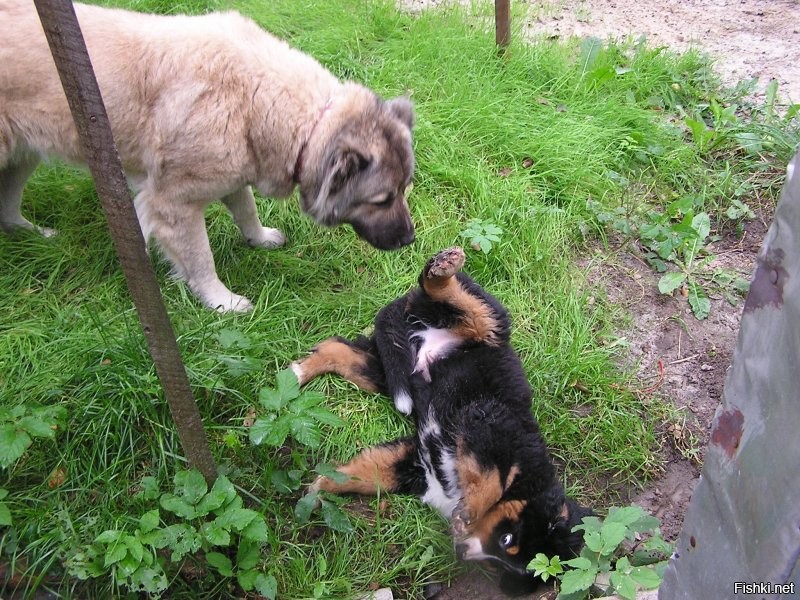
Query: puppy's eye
(506, 540)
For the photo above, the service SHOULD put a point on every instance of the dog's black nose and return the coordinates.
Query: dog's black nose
(408, 238)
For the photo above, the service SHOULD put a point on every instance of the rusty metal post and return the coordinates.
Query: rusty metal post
(67, 45)
(502, 24)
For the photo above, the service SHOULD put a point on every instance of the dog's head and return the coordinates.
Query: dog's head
(359, 169)
(512, 506)
(512, 532)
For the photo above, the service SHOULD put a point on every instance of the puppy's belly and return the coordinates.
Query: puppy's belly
(436, 343)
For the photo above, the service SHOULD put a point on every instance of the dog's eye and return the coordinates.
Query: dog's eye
(506, 540)
(386, 200)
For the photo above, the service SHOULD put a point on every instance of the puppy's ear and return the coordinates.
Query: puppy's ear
(402, 109)
(568, 543)
(563, 513)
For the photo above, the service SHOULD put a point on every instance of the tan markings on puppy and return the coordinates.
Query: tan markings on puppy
(486, 526)
(371, 470)
(481, 487)
(333, 356)
(512, 475)
(477, 322)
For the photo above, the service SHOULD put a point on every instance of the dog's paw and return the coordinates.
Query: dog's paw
(231, 303)
(21, 225)
(268, 238)
(458, 527)
(460, 519)
(446, 263)
(403, 402)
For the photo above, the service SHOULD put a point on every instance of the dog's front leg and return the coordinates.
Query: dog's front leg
(179, 228)
(242, 205)
(12, 181)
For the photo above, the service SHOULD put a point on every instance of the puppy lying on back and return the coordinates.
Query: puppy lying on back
(201, 109)
(442, 353)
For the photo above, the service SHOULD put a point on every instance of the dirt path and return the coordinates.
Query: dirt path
(748, 38)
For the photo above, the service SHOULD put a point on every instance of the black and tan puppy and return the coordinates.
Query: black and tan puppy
(443, 353)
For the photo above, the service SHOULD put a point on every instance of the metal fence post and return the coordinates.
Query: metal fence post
(88, 111)
(502, 24)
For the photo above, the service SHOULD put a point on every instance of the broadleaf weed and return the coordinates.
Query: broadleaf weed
(603, 558)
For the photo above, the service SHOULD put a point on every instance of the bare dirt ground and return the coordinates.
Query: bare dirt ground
(748, 38)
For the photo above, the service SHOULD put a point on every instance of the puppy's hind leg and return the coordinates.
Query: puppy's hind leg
(390, 467)
(12, 181)
(482, 319)
(242, 205)
(355, 361)
(179, 228)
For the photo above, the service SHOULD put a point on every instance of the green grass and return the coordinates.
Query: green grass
(522, 142)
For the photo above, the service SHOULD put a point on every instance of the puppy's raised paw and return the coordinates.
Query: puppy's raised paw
(459, 520)
(445, 264)
(316, 486)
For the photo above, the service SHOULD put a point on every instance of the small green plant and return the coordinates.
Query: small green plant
(482, 235)
(687, 246)
(235, 344)
(328, 504)
(600, 568)
(288, 411)
(21, 423)
(545, 567)
(210, 525)
(679, 237)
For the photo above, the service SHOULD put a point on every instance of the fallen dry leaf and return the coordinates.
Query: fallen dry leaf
(57, 478)
(250, 417)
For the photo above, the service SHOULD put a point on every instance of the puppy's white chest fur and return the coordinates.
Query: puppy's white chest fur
(436, 343)
(442, 495)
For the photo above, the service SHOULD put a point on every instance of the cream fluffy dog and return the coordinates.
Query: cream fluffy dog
(202, 108)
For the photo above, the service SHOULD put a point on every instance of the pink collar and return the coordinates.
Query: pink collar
(298, 165)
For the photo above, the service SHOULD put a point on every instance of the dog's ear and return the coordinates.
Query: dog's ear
(402, 109)
(567, 543)
(343, 164)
